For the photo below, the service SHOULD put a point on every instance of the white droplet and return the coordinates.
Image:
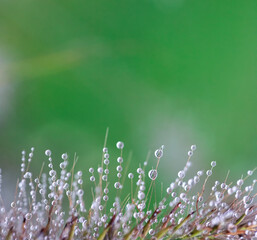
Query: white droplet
(117, 185)
(190, 153)
(141, 195)
(120, 145)
(27, 175)
(130, 175)
(48, 153)
(240, 182)
(28, 216)
(152, 174)
(213, 163)
(232, 228)
(193, 147)
(158, 153)
(181, 174)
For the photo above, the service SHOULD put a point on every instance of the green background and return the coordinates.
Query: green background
(155, 72)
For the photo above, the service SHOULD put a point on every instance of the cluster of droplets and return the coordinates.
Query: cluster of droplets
(118, 185)
(38, 209)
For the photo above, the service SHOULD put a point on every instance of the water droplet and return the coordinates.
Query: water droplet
(190, 153)
(48, 153)
(120, 145)
(141, 195)
(64, 156)
(232, 228)
(28, 216)
(240, 182)
(193, 147)
(119, 159)
(158, 153)
(181, 174)
(117, 185)
(152, 174)
(27, 175)
(130, 175)
(213, 163)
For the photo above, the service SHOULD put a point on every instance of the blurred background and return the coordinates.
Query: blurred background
(172, 72)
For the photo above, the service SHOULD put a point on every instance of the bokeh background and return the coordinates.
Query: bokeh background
(172, 72)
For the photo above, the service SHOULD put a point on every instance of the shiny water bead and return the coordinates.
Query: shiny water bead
(213, 163)
(106, 190)
(120, 145)
(240, 182)
(190, 153)
(158, 153)
(249, 173)
(104, 177)
(247, 200)
(64, 156)
(219, 196)
(66, 186)
(232, 228)
(27, 175)
(181, 174)
(249, 211)
(130, 175)
(193, 147)
(91, 170)
(151, 232)
(196, 179)
(209, 172)
(106, 161)
(120, 160)
(100, 170)
(28, 216)
(48, 153)
(119, 168)
(80, 181)
(140, 195)
(105, 150)
(106, 171)
(117, 185)
(182, 196)
(92, 178)
(52, 173)
(80, 192)
(152, 174)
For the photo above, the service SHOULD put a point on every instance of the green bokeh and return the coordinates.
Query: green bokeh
(169, 72)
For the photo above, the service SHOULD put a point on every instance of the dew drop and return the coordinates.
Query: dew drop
(158, 153)
(232, 228)
(120, 145)
(213, 163)
(181, 174)
(152, 174)
(48, 153)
